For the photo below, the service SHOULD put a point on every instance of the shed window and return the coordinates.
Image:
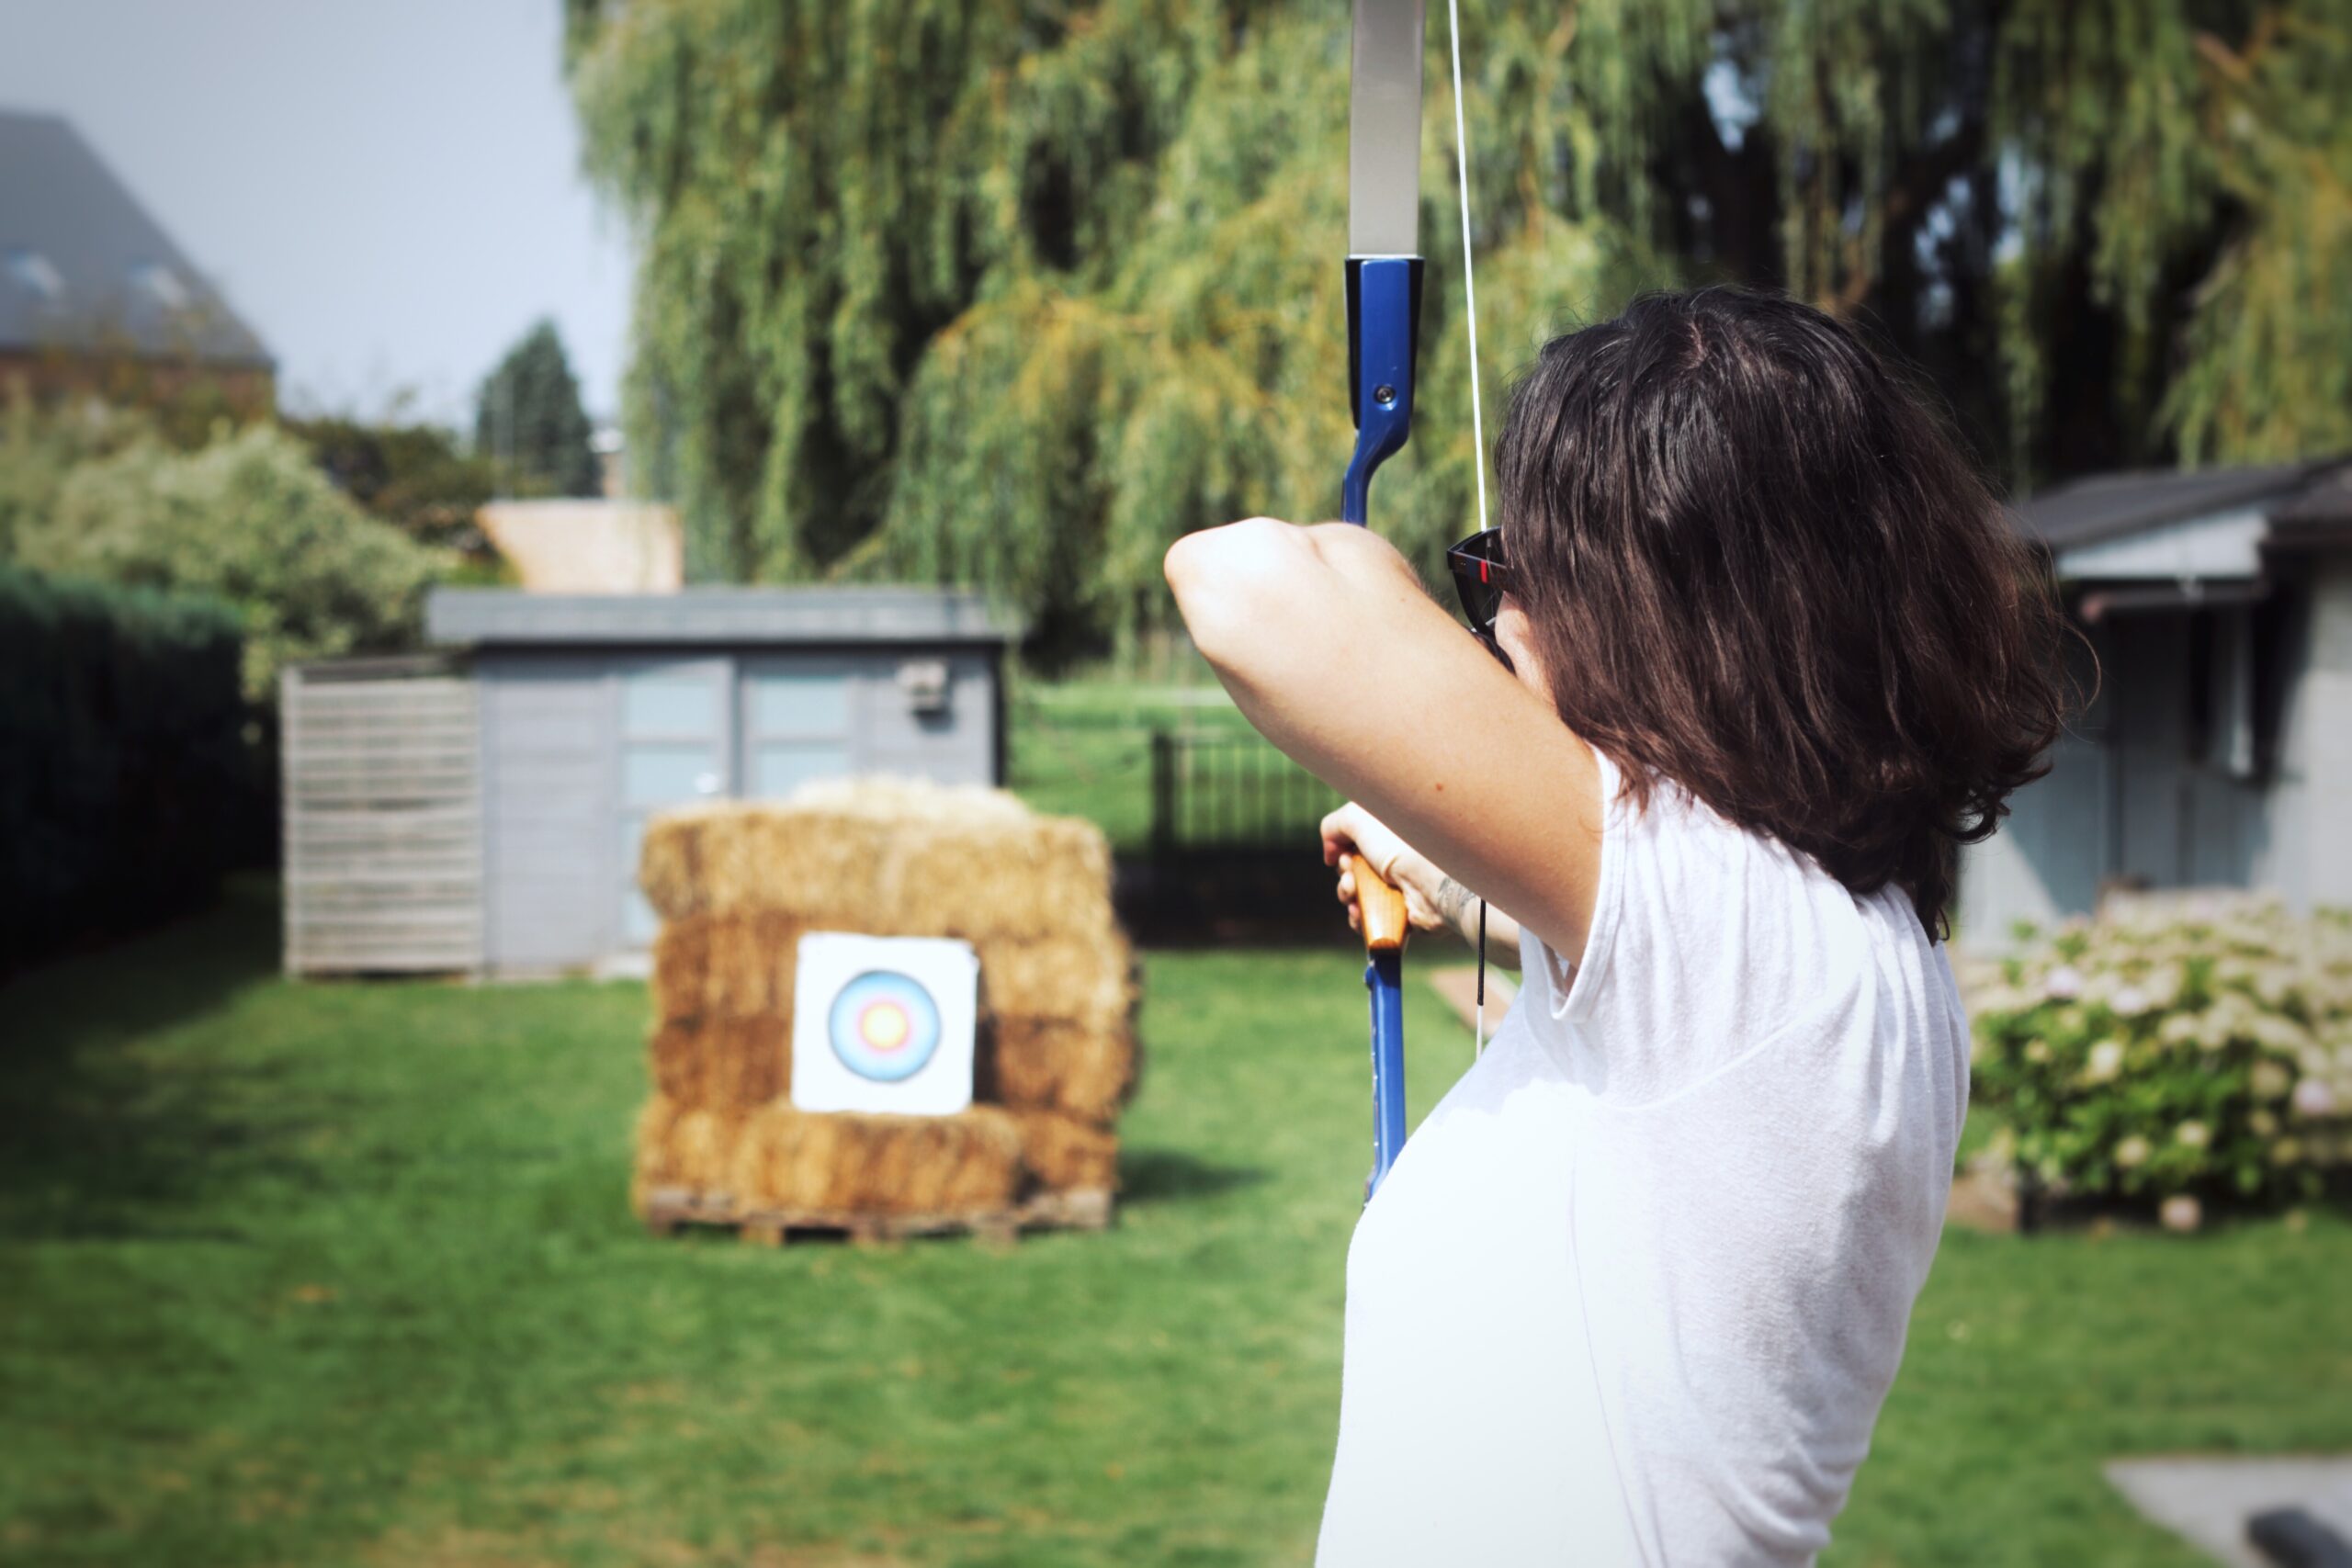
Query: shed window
(806, 705)
(653, 706)
(798, 726)
(663, 775)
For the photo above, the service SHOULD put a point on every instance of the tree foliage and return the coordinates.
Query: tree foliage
(528, 423)
(1014, 293)
(412, 476)
(248, 520)
(40, 446)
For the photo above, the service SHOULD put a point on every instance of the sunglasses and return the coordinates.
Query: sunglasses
(1479, 576)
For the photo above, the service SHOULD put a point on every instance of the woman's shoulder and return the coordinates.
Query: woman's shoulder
(1695, 864)
(1708, 940)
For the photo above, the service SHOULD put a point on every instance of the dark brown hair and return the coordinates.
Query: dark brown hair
(1757, 564)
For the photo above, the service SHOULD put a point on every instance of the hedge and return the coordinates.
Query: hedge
(124, 770)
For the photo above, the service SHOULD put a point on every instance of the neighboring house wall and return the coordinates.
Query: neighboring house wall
(589, 547)
(2316, 753)
(2177, 777)
(2051, 853)
(47, 374)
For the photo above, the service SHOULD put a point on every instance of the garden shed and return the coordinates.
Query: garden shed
(588, 713)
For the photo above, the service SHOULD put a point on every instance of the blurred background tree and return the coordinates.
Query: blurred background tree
(528, 424)
(1013, 293)
(414, 477)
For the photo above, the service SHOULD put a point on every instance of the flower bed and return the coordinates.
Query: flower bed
(2175, 1047)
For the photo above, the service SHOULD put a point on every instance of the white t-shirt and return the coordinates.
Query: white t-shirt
(1637, 1288)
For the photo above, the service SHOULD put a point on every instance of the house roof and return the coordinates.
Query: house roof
(714, 617)
(81, 261)
(2325, 503)
(2116, 506)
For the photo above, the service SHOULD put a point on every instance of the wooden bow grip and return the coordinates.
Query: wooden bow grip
(1383, 907)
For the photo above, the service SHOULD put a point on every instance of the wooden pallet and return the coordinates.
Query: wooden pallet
(670, 1209)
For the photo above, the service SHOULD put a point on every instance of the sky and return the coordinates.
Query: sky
(388, 191)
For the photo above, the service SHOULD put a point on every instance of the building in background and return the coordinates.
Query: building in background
(611, 447)
(95, 297)
(587, 546)
(482, 810)
(2216, 612)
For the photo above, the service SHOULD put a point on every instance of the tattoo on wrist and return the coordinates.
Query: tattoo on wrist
(1452, 900)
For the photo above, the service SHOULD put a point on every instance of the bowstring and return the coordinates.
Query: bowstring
(1469, 270)
(1477, 412)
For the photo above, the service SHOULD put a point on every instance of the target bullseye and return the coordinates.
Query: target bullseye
(884, 1026)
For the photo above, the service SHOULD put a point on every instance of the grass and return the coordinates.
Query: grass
(343, 1274)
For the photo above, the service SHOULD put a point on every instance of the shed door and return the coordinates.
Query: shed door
(799, 723)
(675, 747)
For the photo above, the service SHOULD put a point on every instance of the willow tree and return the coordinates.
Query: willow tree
(1012, 292)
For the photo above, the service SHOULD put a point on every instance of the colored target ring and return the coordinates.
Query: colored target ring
(883, 1026)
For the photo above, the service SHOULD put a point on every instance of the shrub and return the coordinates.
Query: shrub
(2199, 1046)
(250, 520)
(41, 445)
(120, 719)
(411, 476)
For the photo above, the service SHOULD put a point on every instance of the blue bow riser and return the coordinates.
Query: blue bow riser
(1383, 311)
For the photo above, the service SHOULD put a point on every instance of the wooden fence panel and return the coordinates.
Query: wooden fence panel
(382, 785)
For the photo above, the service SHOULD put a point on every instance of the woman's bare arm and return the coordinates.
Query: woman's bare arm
(1330, 646)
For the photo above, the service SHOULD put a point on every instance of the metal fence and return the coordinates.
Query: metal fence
(1230, 793)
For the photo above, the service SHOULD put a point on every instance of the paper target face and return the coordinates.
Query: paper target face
(884, 1026)
(883, 1023)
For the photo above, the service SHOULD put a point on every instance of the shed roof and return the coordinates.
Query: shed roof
(2115, 506)
(80, 258)
(703, 617)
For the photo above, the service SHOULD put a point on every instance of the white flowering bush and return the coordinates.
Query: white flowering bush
(2196, 1045)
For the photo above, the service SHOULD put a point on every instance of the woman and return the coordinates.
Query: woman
(1770, 654)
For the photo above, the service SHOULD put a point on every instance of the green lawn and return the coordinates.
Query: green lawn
(343, 1274)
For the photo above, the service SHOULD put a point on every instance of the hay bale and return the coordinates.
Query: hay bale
(790, 1161)
(1086, 977)
(680, 1147)
(739, 885)
(1047, 1064)
(725, 967)
(729, 857)
(1063, 1155)
(969, 1163)
(1047, 876)
(888, 856)
(734, 1065)
(1055, 1017)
